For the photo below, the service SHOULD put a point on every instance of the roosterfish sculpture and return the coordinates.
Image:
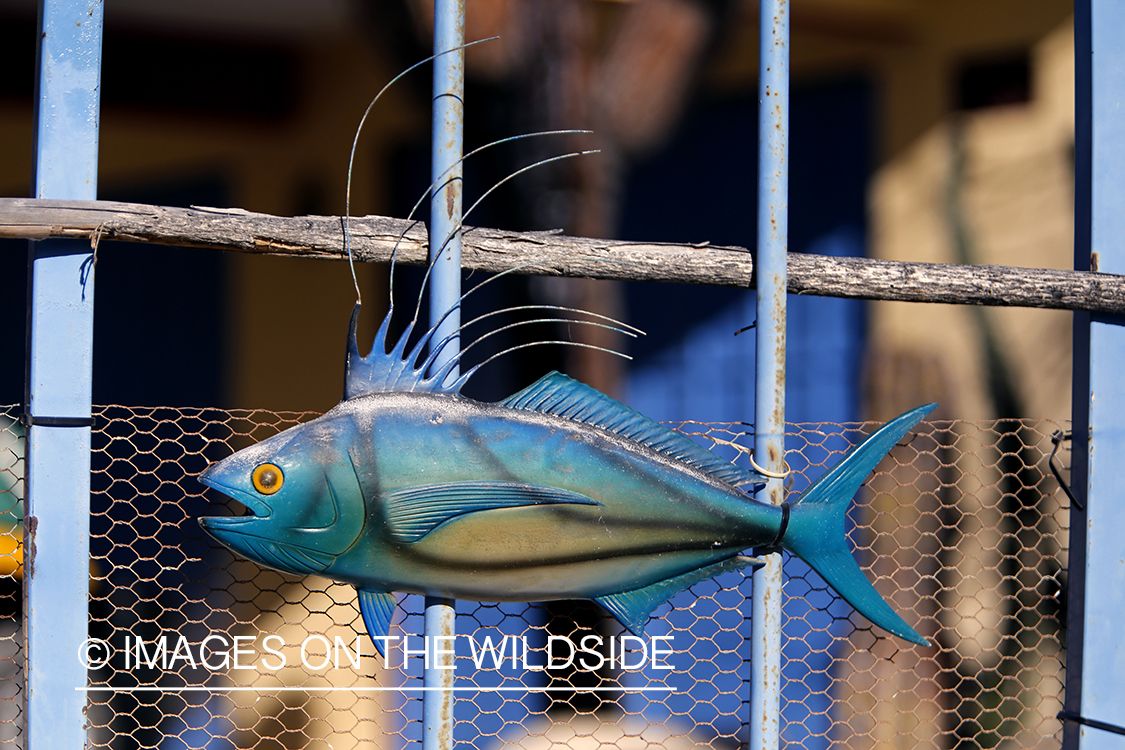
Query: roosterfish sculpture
(556, 492)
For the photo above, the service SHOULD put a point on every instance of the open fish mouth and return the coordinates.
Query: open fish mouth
(246, 535)
(255, 508)
(225, 522)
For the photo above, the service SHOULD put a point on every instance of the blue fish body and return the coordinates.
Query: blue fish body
(558, 492)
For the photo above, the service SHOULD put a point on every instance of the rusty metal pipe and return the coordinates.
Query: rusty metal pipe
(769, 397)
(445, 240)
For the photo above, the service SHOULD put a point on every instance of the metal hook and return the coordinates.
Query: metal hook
(1057, 437)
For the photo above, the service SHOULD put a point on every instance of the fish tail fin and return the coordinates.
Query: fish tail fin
(816, 531)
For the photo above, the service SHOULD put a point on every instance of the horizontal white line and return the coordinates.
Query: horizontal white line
(286, 689)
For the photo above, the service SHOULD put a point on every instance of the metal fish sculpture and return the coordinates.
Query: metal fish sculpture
(557, 492)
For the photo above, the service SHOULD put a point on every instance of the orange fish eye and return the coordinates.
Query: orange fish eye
(267, 478)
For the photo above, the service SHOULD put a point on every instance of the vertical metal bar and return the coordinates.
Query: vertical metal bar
(445, 240)
(769, 396)
(1095, 650)
(1080, 378)
(58, 383)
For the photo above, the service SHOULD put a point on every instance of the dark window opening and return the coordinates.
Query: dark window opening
(994, 82)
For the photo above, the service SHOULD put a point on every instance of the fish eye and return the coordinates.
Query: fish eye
(267, 478)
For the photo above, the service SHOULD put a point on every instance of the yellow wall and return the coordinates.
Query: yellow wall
(1016, 197)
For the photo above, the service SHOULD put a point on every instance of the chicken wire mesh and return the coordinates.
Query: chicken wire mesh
(963, 528)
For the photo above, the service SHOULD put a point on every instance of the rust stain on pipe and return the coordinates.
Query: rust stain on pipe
(30, 530)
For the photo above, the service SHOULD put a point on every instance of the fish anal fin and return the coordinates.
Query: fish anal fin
(413, 512)
(633, 608)
(560, 396)
(377, 608)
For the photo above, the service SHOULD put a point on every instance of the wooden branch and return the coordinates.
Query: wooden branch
(552, 254)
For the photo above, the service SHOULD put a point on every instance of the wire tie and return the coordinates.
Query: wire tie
(767, 472)
(775, 545)
(784, 525)
(30, 420)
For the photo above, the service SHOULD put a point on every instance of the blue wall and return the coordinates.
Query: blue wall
(692, 366)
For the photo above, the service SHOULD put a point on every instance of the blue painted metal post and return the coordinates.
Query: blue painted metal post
(1095, 660)
(445, 239)
(769, 397)
(60, 346)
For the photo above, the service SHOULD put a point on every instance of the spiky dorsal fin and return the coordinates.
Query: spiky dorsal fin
(395, 370)
(561, 396)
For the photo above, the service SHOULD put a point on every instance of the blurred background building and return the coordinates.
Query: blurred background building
(921, 131)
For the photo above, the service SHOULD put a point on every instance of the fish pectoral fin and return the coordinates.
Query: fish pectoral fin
(377, 608)
(412, 512)
(633, 608)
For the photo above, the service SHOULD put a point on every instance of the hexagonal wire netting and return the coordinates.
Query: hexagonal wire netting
(963, 528)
